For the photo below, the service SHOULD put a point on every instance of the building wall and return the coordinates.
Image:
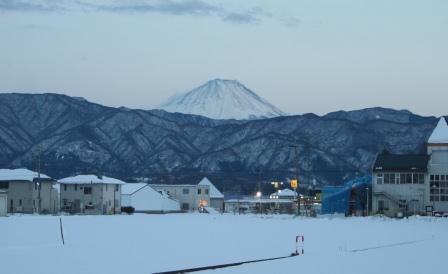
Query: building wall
(437, 194)
(188, 201)
(102, 199)
(23, 197)
(398, 197)
(217, 203)
(3, 204)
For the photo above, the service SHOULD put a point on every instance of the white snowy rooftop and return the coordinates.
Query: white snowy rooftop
(131, 188)
(284, 193)
(440, 133)
(90, 179)
(214, 192)
(20, 174)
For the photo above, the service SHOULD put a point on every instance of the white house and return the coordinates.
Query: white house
(284, 194)
(28, 191)
(143, 198)
(216, 197)
(91, 194)
(190, 197)
(3, 203)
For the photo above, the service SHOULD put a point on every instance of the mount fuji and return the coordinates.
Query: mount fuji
(222, 99)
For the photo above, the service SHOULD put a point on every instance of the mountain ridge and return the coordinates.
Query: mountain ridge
(74, 136)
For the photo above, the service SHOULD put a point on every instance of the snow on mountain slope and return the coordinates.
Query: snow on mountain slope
(222, 99)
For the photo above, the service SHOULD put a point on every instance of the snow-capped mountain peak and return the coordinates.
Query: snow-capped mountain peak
(222, 99)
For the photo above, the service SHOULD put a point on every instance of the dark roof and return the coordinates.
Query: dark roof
(406, 162)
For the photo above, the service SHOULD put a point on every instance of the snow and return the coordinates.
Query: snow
(90, 179)
(440, 133)
(222, 99)
(214, 192)
(142, 243)
(20, 174)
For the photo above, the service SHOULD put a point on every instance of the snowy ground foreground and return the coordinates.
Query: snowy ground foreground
(141, 244)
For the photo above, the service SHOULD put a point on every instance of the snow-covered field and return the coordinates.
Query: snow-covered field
(143, 244)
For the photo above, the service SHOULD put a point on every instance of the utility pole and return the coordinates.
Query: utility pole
(39, 187)
(296, 152)
(367, 204)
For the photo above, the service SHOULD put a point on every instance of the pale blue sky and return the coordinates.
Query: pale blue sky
(303, 56)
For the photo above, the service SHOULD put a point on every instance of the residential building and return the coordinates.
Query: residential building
(216, 197)
(190, 197)
(409, 184)
(91, 194)
(143, 198)
(28, 191)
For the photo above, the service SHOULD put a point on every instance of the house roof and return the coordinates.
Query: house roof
(214, 192)
(20, 174)
(131, 188)
(90, 179)
(405, 162)
(440, 133)
(284, 193)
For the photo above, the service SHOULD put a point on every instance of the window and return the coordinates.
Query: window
(206, 191)
(389, 178)
(106, 187)
(185, 191)
(438, 188)
(402, 178)
(76, 187)
(380, 178)
(87, 190)
(65, 187)
(199, 191)
(4, 185)
(20, 202)
(116, 188)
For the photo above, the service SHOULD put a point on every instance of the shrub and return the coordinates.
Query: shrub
(128, 209)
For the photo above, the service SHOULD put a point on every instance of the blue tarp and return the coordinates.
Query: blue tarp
(336, 199)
